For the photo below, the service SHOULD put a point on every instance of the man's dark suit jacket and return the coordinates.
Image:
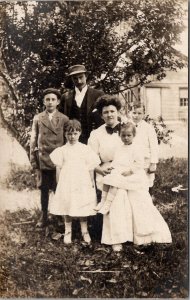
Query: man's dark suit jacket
(94, 120)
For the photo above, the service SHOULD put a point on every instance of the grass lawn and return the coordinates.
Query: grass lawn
(34, 264)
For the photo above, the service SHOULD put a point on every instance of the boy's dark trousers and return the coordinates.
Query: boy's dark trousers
(48, 182)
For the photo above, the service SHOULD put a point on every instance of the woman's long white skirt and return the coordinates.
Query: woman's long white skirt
(134, 218)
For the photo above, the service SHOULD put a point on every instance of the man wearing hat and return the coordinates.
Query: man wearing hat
(79, 102)
(47, 134)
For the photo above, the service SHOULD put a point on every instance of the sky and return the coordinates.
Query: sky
(183, 46)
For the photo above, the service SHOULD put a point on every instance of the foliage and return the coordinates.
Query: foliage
(122, 44)
(163, 133)
(170, 173)
(40, 39)
(35, 265)
(21, 179)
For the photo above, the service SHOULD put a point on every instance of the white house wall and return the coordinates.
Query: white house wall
(169, 95)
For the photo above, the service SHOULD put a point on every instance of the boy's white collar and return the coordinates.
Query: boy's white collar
(137, 124)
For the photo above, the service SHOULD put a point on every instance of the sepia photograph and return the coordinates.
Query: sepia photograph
(94, 149)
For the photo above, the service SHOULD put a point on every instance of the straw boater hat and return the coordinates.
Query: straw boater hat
(76, 69)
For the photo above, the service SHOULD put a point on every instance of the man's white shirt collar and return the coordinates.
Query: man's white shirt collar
(79, 95)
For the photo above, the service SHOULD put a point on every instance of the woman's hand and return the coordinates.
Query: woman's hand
(152, 168)
(127, 173)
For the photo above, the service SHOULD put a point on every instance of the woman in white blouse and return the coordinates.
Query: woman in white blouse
(104, 141)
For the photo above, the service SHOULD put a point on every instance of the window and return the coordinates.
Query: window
(132, 95)
(126, 96)
(183, 97)
(139, 92)
(129, 96)
(183, 101)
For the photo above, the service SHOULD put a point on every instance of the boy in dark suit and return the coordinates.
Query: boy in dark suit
(79, 103)
(47, 134)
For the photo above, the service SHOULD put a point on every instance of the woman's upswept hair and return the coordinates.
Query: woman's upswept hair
(72, 125)
(106, 100)
(128, 125)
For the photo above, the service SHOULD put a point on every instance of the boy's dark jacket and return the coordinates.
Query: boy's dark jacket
(46, 136)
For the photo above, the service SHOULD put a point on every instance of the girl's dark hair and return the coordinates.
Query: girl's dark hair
(106, 100)
(129, 125)
(138, 105)
(72, 125)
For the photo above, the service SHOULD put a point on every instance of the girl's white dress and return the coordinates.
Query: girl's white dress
(145, 223)
(75, 196)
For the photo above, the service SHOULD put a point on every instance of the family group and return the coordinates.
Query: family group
(83, 145)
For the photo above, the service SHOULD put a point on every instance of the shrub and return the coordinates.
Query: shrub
(163, 133)
(170, 173)
(21, 179)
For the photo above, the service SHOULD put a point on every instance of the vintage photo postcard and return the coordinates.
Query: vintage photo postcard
(94, 149)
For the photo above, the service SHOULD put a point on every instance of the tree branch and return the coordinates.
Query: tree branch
(118, 56)
(8, 80)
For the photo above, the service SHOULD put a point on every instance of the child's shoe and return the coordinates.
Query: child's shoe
(67, 238)
(86, 237)
(117, 247)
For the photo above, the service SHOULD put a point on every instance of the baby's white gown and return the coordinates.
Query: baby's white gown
(145, 223)
(74, 195)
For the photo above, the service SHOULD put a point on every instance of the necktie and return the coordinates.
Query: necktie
(53, 122)
(111, 130)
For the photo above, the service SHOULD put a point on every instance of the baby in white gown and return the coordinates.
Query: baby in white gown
(128, 174)
(127, 169)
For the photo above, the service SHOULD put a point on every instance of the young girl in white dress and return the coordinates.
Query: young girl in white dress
(75, 195)
(147, 225)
